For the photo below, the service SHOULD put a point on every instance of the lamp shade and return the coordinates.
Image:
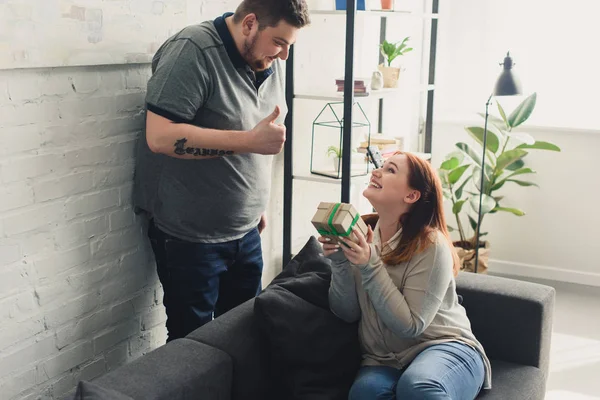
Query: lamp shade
(508, 84)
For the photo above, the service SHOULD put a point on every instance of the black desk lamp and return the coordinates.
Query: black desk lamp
(507, 85)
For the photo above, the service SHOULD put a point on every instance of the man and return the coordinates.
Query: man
(215, 107)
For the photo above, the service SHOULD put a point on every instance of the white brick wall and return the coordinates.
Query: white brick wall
(78, 290)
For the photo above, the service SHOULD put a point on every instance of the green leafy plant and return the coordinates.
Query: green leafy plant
(334, 151)
(392, 50)
(504, 165)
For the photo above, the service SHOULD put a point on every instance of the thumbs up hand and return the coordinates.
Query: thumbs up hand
(267, 136)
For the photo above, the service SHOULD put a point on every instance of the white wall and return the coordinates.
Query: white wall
(39, 34)
(78, 291)
(272, 237)
(559, 237)
(550, 45)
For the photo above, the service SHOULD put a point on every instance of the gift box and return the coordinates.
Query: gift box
(335, 220)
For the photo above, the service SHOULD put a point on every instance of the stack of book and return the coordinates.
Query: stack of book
(360, 86)
(387, 145)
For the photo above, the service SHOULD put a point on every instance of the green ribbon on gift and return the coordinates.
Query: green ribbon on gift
(330, 222)
(332, 230)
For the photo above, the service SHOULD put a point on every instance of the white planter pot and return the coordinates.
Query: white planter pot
(390, 76)
(337, 163)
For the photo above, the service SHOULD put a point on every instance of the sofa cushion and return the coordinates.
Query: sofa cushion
(179, 370)
(314, 355)
(90, 391)
(514, 381)
(237, 333)
(522, 337)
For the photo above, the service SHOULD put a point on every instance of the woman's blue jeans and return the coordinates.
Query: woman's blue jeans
(451, 370)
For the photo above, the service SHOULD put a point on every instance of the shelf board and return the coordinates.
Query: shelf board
(359, 177)
(310, 177)
(373, 94)
(340, 124)
(361, 12)
(339, 96)
(377, 13)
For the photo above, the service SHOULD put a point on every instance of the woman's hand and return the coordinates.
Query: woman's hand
(358, 252)
(328, 247)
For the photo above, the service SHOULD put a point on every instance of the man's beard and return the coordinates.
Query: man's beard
(255, 63)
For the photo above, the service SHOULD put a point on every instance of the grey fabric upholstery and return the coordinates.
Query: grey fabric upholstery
(225, 359)
(91, 391)
(512, 319)
(237, 334)
(180, 370)
(515, 382)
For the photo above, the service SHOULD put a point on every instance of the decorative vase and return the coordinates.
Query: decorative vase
(387, 4)
(390, 76)
(376, 80)
(336, 163)
(466, 256)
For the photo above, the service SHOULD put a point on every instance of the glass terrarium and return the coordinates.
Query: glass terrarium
(327, 138)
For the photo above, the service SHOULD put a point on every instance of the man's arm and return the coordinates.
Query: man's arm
(181, 140)
(176, 91)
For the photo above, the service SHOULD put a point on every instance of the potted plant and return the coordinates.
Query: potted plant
(387, 4)
(460, 174)
(390, 52)
(336, 152)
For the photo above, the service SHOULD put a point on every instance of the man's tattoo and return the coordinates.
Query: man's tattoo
(181, 150)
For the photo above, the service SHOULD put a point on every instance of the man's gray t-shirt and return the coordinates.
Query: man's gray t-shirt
(200, 80)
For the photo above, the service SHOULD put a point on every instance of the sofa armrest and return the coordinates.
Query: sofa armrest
(237, 333)
(180, 370)
(512, 319)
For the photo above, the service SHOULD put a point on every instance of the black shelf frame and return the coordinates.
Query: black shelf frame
(348, 102)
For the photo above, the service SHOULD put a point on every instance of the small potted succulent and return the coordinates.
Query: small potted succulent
(390, 52)
(336, 152)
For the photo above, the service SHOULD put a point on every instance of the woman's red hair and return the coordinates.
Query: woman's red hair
(425, 218)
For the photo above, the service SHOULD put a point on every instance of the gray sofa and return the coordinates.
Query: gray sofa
(226, 359)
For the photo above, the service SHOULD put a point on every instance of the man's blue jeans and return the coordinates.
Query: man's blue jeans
(446, 371)
(204, 279)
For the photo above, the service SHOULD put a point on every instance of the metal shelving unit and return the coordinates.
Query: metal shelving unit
(348, 98)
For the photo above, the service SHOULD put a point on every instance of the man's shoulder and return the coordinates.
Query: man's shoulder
(203, 35)
(278, 66)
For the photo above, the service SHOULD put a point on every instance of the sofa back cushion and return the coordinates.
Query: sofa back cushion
(90, 391)
(313, 354)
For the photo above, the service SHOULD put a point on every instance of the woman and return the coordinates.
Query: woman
(399, 283)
